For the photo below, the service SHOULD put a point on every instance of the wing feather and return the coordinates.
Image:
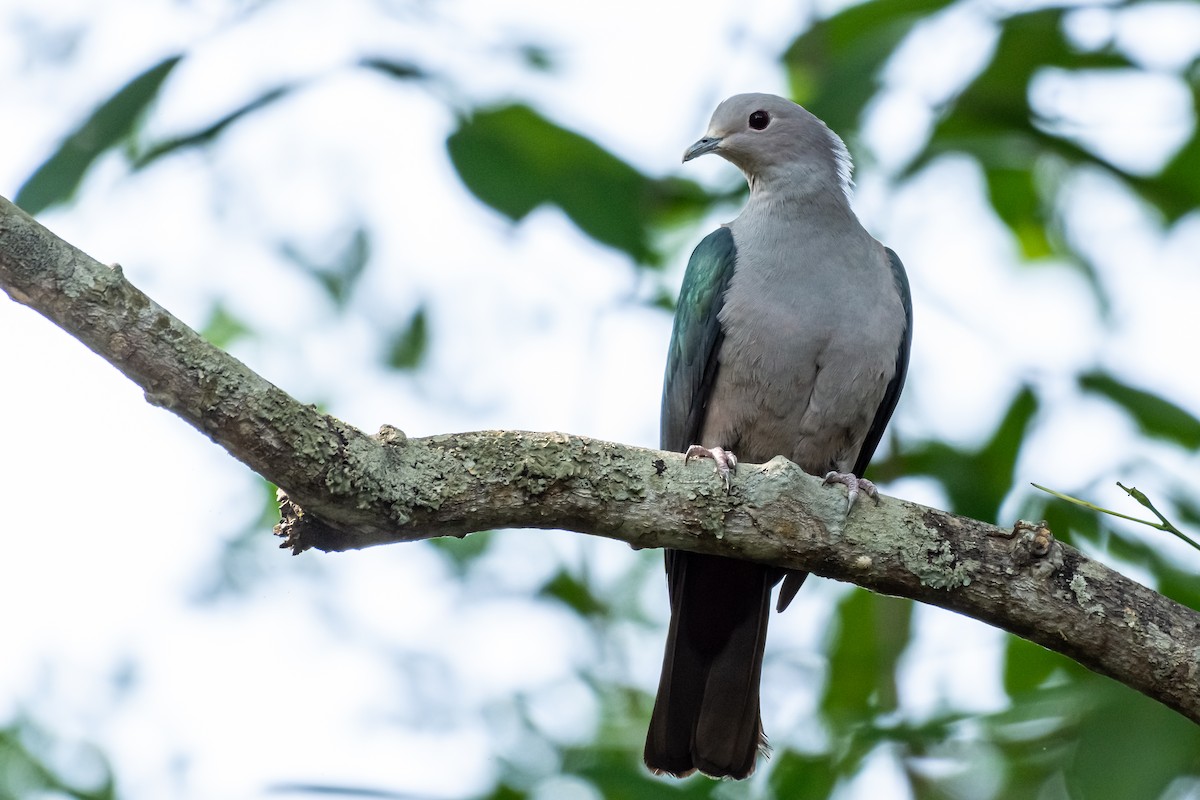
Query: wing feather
(892, 394)
(696, 340)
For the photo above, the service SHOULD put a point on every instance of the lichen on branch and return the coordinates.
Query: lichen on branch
(346, 489)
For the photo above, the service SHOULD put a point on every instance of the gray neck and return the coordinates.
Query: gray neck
(798, 195)
(803, 183)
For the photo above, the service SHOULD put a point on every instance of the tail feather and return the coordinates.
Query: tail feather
(706, 714)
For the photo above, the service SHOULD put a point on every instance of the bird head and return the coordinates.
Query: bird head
(775, 143)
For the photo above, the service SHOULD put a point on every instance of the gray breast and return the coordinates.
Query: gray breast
(812, 326)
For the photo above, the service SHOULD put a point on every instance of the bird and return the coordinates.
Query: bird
(791, 337)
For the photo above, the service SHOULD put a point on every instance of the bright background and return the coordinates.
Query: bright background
(152, 629)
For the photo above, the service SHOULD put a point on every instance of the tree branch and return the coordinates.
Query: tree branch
(346, 489)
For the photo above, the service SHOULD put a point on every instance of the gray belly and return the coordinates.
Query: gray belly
(802, 386)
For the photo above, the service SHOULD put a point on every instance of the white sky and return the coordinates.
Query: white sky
(115, 510)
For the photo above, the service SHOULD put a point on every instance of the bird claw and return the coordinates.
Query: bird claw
(726, 461)
(854, 485)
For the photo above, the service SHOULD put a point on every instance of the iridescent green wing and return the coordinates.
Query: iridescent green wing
(696, 340)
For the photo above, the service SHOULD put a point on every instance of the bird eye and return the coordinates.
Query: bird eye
(759, 120)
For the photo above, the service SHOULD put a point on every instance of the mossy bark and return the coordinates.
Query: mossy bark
(346, 489)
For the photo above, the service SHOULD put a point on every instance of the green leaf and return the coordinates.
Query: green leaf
(209, 133)
(400, 70)
(463, 551)
(1174, 190)
(56, 180)
(410, 343)
(1188, 508)
(33, 763)
(1014, 195)
(664, 299)
(537, 57)
(505, 792)
(996, 102)
(1119, 723)
(515, 160)
(223, 329)
(1155, 416)
(1028, 666)
(992, 121)
(616, 773)
(976, 480)
(1035, 737)
(575, 594)
(1181, 585)
(833, 66)
(340, 274)
(872, 632)
(801, 775)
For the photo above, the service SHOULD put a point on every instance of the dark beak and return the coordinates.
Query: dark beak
(708, 144)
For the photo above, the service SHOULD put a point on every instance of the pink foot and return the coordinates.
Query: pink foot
(726, 461)
(853, 485)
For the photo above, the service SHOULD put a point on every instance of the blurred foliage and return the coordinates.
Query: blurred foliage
(975, 479)
(338, 274)
(834, 66)
(223, 329)
(463, 552)
(1154, 415)
(113, 123)
(872, 632)
(515, 160)
(206, 135)
(576, 594)
(35, 764)
(1065, 732)
(409, 344)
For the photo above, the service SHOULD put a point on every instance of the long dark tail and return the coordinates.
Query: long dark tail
(706, 714)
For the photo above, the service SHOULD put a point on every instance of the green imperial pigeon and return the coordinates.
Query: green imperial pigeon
(791, 338)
